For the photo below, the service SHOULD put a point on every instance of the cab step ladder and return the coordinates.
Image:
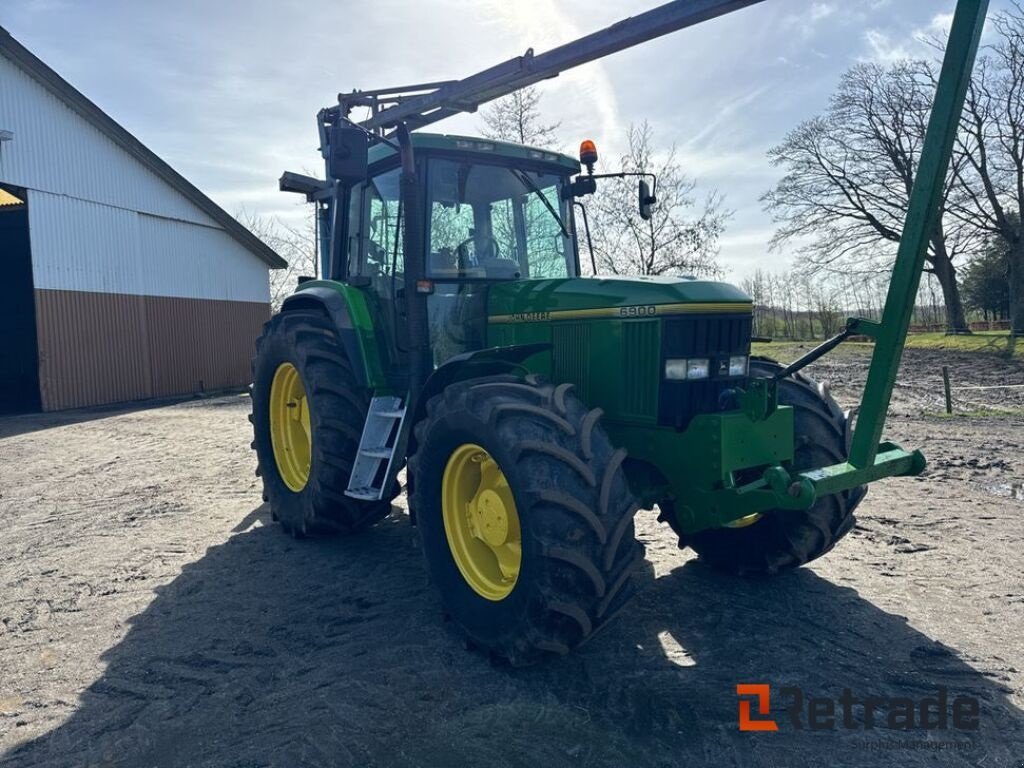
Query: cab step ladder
(376, 448)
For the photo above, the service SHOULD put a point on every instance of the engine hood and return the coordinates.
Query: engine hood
(624, 297)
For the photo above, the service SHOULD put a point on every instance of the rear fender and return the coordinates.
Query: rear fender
(347, 309)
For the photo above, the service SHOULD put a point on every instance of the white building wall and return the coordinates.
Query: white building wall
(80, 245)
(179, 259)
(56, 150)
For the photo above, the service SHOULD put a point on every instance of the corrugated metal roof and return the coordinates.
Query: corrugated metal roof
(33, 66)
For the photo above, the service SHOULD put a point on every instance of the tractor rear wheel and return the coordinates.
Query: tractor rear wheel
(524, 514)
(307, 415)
(782, 539)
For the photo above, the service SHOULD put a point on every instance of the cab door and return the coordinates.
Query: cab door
(376, 258)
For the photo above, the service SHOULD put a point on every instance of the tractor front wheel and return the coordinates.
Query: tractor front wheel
(524, 514)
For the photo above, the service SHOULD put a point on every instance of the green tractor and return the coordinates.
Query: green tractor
(536, 410)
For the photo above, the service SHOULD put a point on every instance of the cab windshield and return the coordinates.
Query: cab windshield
(496, 222)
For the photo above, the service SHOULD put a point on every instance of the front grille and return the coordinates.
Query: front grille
(570, 343)
(715, 337)
(639, 348)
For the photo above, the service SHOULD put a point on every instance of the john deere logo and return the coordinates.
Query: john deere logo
(530, 317)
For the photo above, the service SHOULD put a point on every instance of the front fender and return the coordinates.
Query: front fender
(470, 365)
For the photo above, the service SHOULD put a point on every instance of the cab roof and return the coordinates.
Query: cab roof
(479, 146)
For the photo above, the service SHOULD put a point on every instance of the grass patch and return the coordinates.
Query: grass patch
(984, 342)
(785, 350)
(991, 342)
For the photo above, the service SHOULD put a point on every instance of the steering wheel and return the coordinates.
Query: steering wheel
(463, 253)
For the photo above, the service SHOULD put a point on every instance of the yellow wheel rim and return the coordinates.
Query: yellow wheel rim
(481, 522)
(290, 433)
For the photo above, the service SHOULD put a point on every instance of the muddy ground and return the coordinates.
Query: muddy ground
(151, 615)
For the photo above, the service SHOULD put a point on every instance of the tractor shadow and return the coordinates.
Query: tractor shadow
(274, 652)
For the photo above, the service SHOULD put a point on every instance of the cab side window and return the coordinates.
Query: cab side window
(374, 236)
(382, 236)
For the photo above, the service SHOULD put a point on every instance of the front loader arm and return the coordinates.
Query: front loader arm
(922, 215)
(870, 459)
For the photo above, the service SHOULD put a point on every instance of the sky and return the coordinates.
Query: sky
(227, 92)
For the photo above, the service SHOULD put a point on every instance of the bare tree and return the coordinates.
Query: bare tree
(753, 286)
(296, 245)
(849, 175)
(517, 118)
(801, 304)
(826, 308)
(680, 238)
(990, 151)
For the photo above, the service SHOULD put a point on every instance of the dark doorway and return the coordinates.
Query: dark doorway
(19, 357)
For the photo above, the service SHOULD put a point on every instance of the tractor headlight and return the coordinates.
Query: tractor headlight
(698, 368)
(687, 369)
(675, 369)
(738, 365)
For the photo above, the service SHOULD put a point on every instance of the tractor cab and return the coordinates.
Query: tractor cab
(492, 212)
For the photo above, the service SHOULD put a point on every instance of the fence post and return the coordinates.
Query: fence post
(945, 385)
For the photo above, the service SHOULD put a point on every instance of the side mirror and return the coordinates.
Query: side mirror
(646, 200)
(348, 154)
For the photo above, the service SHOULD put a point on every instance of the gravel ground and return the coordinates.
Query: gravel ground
(151, 615)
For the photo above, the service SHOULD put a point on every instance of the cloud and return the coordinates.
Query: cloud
(940, 24)
(726, 114)
(544, 24)
(883, 49)
(750, 239)
(806, 22)
(821, 11)
(888, 47)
